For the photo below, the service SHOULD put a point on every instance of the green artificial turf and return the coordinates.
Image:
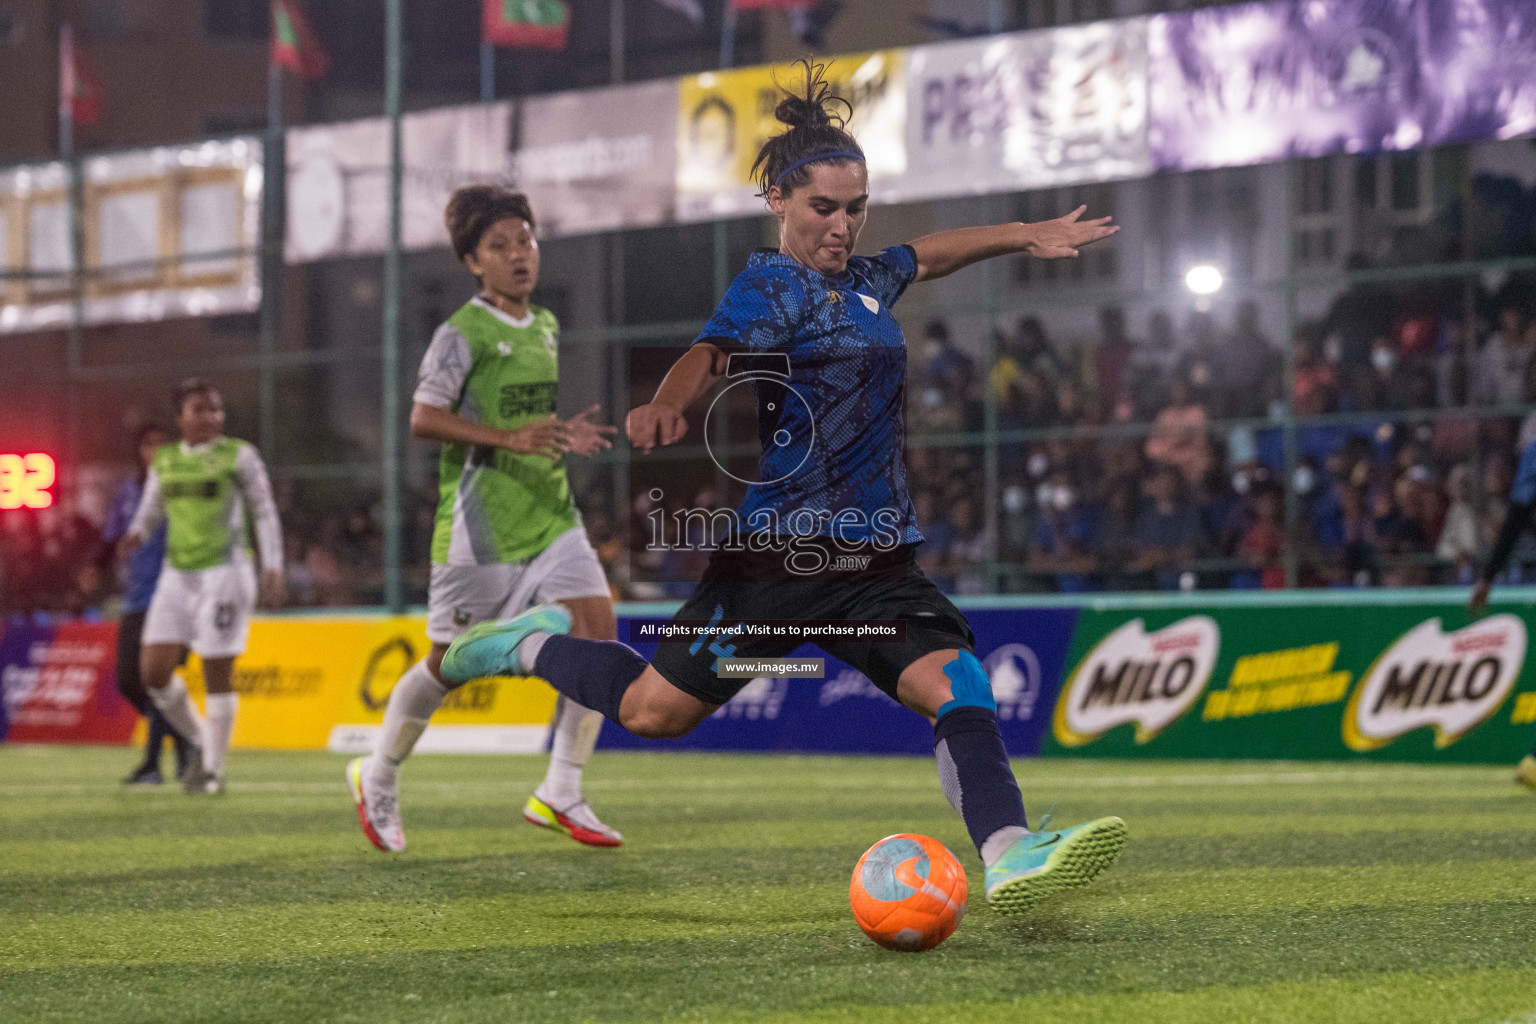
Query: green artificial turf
(1249, 892)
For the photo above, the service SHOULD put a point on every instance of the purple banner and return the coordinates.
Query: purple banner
(1254, 83)
(1022, 651)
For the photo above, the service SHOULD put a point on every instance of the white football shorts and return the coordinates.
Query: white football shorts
(461, 595)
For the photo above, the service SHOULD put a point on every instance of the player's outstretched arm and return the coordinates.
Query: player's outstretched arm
(546, 437)
(945, 252)
(660, 422)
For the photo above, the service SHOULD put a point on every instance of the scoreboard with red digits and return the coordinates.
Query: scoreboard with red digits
(26, 481)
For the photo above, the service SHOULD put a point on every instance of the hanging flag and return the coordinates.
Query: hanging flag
(294, 45)
(79, 90)
(694, 9)
(529, 24)
(766, 5)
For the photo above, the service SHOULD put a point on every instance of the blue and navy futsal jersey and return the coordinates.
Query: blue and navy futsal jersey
(831, 461)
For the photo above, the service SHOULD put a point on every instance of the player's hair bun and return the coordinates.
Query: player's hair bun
(817, 120)
(802, 111)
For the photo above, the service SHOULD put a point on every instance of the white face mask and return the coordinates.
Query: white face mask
(1304, 480)
(933, 398)
(1038, 464)
(1063, 498)
(1045, 495)
(1013, 499)
(1333, 349)
(1240, 483)
(1383, 359)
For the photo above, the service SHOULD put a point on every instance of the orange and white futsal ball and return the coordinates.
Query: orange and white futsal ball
(908, 893)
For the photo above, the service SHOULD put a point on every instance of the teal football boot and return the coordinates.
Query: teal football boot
(490, 649)
(1042, 864)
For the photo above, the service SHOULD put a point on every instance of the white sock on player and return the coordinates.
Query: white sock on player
(575, 736)
(528, 651)
(178, 709)
(411, 704)
(221, 723)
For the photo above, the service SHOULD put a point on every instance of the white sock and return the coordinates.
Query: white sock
(528, 651)
(411, 704)
(178, 709)
(998, 842)
(575, 729)
(221, 722)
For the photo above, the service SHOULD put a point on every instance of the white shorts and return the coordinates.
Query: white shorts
(208, 610)
(461, 595)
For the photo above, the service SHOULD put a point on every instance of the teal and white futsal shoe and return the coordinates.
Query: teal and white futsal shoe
(1042, 864)
(490, 649)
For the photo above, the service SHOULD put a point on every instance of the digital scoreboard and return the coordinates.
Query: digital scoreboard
(26, 481)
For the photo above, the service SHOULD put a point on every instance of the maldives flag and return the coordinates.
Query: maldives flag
(532, 24)
(79, 91)
(294, 45)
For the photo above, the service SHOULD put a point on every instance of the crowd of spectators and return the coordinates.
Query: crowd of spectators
(1123, 463)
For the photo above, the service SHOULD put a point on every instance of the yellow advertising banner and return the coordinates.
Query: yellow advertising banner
(724, 117)
(317, 683)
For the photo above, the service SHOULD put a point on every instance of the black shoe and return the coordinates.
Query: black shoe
(144, 775)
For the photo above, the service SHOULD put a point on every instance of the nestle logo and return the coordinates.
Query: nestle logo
(1184, 642)
(1483, 642)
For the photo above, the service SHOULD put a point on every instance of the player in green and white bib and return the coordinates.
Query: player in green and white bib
(207, 488)
(507, 533)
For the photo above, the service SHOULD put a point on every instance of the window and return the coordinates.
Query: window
(1315, 217)
(1101, 263)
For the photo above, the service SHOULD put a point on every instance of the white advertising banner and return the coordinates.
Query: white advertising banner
(168, 232)
(338, 178)
(598, 160)
(1027, 110)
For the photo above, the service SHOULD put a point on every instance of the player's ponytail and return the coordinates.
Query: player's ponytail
(816, 134)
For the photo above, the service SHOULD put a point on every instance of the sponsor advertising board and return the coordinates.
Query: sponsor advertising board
(59, 685)
(1027, 110)
(724, 117)
(1323, 681)
(1391, 682)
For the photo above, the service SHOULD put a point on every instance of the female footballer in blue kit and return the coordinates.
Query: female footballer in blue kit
(834, 483)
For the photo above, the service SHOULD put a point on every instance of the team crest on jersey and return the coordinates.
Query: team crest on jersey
(834, 297)
(503, 348)
(461, 617)
(549, 343)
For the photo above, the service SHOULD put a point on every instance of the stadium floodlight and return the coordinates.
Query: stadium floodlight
(1203, 279)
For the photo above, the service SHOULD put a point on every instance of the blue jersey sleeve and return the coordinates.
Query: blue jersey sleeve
(1524, 491)
(888, 271)
(124, 504)
(760, 311)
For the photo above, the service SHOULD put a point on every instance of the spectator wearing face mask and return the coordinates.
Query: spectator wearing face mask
(1068, 532)
(1169, 534)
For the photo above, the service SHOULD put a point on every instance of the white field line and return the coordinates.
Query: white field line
(1347, 776)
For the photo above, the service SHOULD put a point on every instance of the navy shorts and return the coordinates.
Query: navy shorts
(738, 586)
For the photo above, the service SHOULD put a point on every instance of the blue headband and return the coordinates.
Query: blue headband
(842, 154)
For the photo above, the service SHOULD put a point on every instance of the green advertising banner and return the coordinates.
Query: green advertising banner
(1394, 682)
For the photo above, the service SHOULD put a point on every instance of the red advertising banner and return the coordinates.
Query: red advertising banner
(59, 684)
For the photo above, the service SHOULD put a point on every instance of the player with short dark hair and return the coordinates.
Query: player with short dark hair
(208, 489)
(508, 532)
(833, 483)
(141, 572)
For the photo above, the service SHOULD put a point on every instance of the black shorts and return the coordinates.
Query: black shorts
(739, 586)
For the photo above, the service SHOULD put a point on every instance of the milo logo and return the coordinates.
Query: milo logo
(1451, 681)
(1135, 676)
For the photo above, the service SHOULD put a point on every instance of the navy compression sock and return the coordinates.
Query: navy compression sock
(593, 673)
(975, 774)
